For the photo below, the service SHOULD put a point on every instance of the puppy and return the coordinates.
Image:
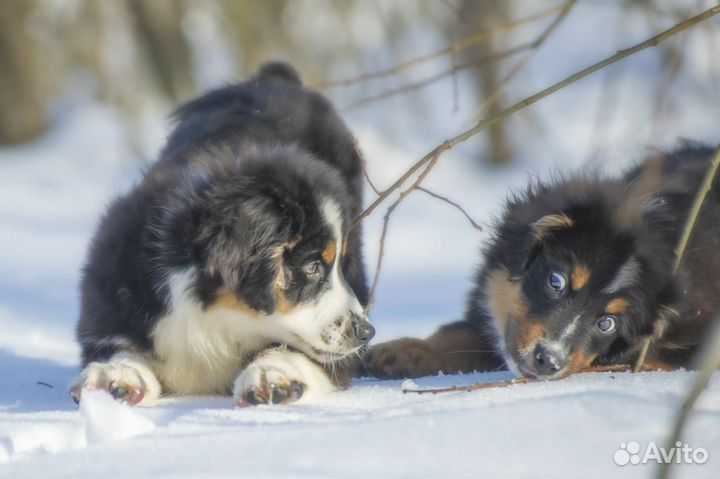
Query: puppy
(579, 273)
(230, 267)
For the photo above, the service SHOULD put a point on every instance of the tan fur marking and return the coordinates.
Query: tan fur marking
(505, 297)
(551, 222)
(579, 360)
(282, 304)
(227, 300)
(529, 336)
(329, 253)
(580, 277)
(617, 306)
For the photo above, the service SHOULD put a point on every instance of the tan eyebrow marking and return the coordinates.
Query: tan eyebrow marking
(551, 222)
(227, 300)
(580, 277)
(617, 306)
(329, 253)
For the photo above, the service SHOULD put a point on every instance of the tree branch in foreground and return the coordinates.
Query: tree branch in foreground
(687, 233)
(711, 356)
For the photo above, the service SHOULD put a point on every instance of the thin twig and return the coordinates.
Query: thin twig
(487, 122)
(363, 167)
(640, 362)
(452, 8)
(686, 234)
(709, 364)
(386, 220)
(524, 380)
(695, 210)
(532, 46)
(454, 48)
(711, 359)
(437, 77)
(452, 203)
(472, 387)
(491, 99)
(455, 85)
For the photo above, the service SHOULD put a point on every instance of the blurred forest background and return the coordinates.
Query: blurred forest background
(145, 56)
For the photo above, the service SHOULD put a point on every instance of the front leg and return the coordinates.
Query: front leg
(281, 376)
(460, 347)
(127, 376)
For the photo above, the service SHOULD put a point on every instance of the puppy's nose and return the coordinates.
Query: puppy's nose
(364, 331)
(547, 361)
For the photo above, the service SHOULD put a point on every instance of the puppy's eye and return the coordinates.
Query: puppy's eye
(606, 324)
(312, 268)
(557, 281)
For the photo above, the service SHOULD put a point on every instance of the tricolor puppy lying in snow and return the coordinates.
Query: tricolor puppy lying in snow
(578, 273)
(225, 269)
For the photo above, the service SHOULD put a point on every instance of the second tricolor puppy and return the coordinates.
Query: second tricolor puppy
(580, 272)
(226, 269)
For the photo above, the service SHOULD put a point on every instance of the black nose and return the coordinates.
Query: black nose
(547, 361)
(364, 331)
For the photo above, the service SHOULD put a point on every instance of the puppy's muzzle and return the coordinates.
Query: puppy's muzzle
(364, 331)
(547, 361)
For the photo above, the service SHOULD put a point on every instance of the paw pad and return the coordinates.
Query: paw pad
(274, 393)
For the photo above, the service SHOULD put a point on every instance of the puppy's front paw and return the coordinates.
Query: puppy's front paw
(127, 380)
(267, 384)
(402, 358)
(280, 376)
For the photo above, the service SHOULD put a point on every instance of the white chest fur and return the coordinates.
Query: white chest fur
(202, 351)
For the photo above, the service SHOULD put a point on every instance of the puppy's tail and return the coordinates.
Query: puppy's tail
(278, 72)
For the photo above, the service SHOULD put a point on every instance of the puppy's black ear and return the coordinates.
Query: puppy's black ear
(533, 238)
(279, 72)
(242, 238)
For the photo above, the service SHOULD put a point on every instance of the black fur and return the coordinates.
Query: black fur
(238, 179)
(613, 221)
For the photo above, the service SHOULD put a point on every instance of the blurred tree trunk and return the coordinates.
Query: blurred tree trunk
(159, 27)
(22, 116)
(478, 16)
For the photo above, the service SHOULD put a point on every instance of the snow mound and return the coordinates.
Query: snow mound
(110, 420)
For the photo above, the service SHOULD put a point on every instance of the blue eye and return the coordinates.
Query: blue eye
(606, 324)
(557, 281)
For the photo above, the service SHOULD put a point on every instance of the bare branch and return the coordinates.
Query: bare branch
(485, 123)
(616, 368)
(452, 8)
(491, 99)
(709, 364)
(454, 48)
(386, 220)
(363, 167)
(711, 357)
(452, 203)
(695, 210)
(437, 77)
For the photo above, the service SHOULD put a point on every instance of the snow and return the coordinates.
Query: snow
(553, 429)
(52, 192)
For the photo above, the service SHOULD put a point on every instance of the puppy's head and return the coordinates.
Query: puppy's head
(575, 288)
(272, 235)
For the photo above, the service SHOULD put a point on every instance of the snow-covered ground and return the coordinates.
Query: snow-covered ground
(52, 191)
(570, 428)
